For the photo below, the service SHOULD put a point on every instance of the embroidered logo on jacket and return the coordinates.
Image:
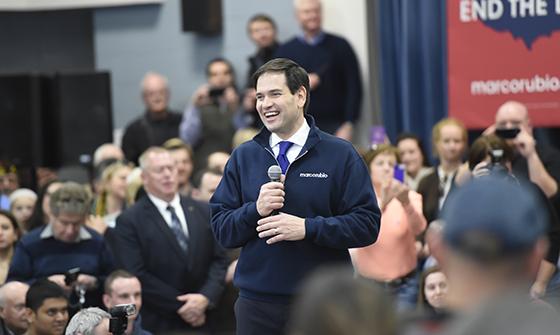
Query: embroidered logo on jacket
(313, 175)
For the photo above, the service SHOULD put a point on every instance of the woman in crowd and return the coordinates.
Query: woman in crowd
(392, 260)
(9, 234)
(42, 209)
(112, 199)
(432, 296)
(22, 202)
(414, 155)
(449, 137)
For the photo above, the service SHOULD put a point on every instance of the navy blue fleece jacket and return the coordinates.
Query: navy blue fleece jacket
(328, 185)
(338, 98)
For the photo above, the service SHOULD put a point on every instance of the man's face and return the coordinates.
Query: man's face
(125, 291)
(262, 33)
(155, 93)
(308, 14)
(208, 186)
(183, 163)
(14, 314)
(512, 115)
(280, 110)
(8, 183)
(160, 178)
(66, 227)
(219, 75)
(51, 318)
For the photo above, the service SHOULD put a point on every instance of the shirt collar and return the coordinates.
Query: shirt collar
(314, 41)
(82, 235)
(299, 138)
(162, 204)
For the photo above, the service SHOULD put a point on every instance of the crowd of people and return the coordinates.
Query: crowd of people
(190, 222)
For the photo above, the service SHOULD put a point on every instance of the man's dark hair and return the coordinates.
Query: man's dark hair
(198, 177)
(261, 18)
(119, 273)
(42, 290)
(296, 76)
(219, 60)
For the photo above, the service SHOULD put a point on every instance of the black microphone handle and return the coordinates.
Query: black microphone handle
(275, 212)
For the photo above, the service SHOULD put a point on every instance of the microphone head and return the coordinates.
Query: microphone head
(274, 172)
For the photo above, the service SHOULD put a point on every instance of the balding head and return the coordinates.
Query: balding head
(155, 92)
(12, 306)
(513, 114)
(105, 151)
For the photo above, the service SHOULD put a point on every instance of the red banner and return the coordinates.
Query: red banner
(501, 50)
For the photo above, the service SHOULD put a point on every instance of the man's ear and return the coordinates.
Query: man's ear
(195, 194)
(301, 94)
(107, 301)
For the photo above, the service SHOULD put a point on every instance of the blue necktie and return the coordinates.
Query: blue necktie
(182, 239)
(282, 159)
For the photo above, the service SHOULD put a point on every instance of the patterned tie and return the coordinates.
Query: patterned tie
(282, 159)
(182, 239)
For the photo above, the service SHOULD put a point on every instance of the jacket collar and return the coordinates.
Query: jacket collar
(313, 138)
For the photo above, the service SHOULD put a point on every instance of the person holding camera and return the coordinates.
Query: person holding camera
(208, 124)
(533, 161)
(491, 156)
(89, 321)
(65, 251)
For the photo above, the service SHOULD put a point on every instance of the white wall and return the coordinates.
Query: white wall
(348, 19)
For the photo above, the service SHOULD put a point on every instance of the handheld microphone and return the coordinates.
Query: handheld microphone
(274, 173)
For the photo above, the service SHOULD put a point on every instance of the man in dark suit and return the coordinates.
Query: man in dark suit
(166, 241)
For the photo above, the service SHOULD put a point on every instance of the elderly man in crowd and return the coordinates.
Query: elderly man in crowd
(12, 308)
(65, 244)
(157, 125)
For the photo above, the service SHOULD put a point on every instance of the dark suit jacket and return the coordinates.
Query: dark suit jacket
(429, 189)
(147, 247)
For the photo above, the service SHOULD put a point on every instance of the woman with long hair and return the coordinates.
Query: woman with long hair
(9, 234)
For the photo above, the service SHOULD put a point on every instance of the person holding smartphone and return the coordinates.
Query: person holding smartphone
(392, 260)
(209, 123)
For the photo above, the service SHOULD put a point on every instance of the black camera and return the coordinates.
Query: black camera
(72, 275)
(119, 317)
(216, 92)
(496, 167)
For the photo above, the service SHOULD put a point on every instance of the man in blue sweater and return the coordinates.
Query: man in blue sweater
(325, 201)
(64, 244)
(334, 74)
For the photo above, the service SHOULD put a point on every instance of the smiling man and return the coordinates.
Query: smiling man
(326, 201)
(165, 240)
(64, 244)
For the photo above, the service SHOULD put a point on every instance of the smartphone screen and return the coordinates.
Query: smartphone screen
(400, 171)
(377, 135)
(507, 134)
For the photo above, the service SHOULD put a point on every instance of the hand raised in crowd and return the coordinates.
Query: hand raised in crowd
(281, 227)
(60, 281)
(314, 81)
(524, 142)
(232, 99)
(250, 99)
(194, 308)
(87, 282)
(392, 188)
(200, 97)
(97, 223)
